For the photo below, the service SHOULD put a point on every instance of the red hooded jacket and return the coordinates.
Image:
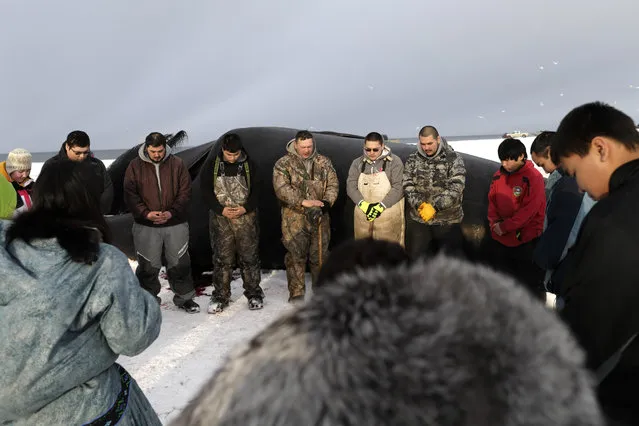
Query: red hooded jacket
(518, 201)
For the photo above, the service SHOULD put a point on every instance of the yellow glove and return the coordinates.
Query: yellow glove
(365, 207)
(376, 210)
(426, 211)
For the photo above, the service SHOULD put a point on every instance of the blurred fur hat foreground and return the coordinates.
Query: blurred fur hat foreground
(444, 342)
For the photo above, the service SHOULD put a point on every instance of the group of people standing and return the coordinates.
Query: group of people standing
(571, 234)
(71, 304)
(307, 186)
(16, 170)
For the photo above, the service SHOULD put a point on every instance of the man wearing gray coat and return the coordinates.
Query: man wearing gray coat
(374, 184)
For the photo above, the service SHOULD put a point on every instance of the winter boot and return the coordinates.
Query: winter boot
(296, 300)
(217, 306)
(255, 303)
(190, 306)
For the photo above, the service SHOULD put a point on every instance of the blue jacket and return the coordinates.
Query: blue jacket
(63, 325)
(564, 214)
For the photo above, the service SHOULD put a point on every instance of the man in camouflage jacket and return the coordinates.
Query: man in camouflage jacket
(434, 181)
(230, 187)
(306, 184)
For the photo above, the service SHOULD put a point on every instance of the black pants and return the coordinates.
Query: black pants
(422, 240)
(518, 263)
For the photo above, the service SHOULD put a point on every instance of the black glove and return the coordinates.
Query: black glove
(326, 207)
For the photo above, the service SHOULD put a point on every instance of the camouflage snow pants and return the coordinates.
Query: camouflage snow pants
(303, 241)
(230, 238)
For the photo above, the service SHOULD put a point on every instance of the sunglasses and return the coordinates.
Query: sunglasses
(372, 149)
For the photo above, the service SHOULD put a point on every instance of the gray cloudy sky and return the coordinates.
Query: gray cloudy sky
(119, 69)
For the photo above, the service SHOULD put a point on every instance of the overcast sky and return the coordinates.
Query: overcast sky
(119, 69)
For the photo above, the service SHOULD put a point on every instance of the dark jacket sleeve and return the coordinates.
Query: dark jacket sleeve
(561, 214)
(206, 187)
(106, 199)
(16, 188)
(132, 197)
(251, 202)
(180, 207)
(395, 173)
(601, 290)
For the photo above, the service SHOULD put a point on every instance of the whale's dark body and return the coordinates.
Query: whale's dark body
(266, 145)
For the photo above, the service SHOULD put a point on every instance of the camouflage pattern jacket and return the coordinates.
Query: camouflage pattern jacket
(296, 179)
(438, 180)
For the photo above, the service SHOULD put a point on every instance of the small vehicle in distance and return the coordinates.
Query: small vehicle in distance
(516, 134)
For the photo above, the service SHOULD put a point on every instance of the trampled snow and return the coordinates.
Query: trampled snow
(192, 346)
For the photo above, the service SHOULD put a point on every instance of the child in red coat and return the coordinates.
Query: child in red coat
(516, 209)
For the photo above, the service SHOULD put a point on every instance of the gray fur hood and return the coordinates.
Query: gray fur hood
(440, 343)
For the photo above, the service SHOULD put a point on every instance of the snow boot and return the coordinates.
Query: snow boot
(255, 303)
(216, 306)
(190, 306)
(296, 300)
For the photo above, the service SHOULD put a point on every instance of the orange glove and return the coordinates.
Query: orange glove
(426, 211)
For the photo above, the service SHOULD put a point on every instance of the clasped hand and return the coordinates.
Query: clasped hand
(159, 218)
(371, 210)
(233, 212)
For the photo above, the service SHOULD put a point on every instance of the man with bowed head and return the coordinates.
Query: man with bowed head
(599, 145)
(77, 147)
(434, 182)
(516, 211)
(375, 186)
(306, 185)
(157, 190)
(230, 186)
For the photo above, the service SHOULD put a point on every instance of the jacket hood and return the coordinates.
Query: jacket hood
(218, 153)
(443, 147)
(412, 334)
(553, 178)
(143, 155)
(290, 148)
(385, 153)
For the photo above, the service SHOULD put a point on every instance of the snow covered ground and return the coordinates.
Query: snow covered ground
(192, 346)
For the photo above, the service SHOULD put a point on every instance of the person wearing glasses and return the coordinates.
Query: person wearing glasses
(375, 185)
(77, 147)
(434, 182)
